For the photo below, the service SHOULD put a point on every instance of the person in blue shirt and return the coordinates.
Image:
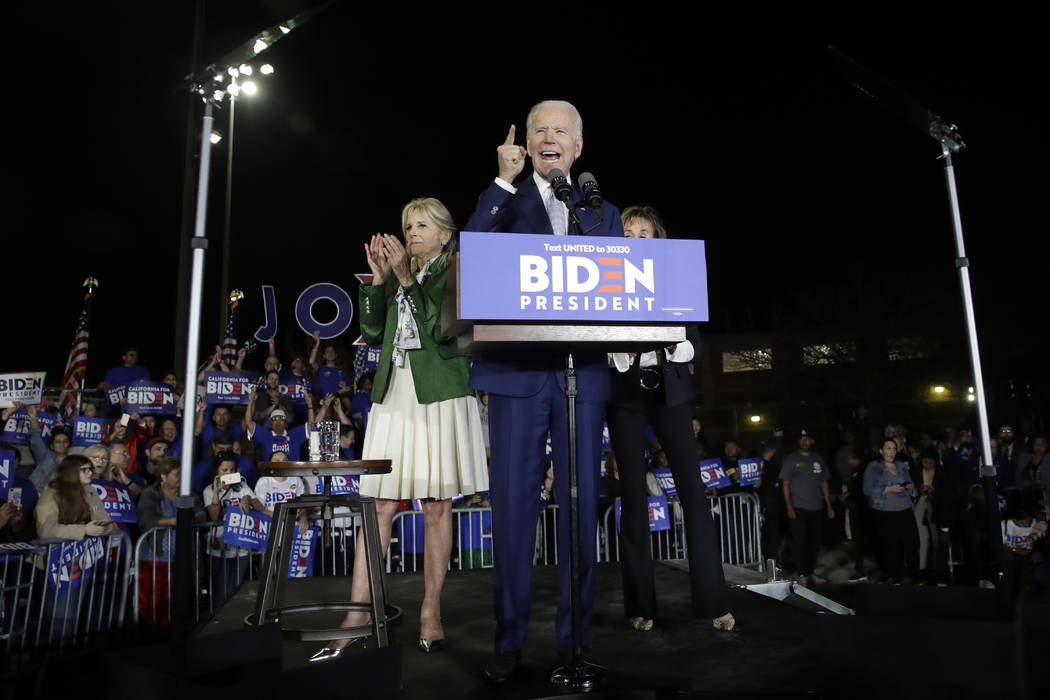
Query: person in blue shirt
(889, 489)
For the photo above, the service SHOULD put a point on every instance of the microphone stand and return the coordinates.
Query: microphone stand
(578, 674)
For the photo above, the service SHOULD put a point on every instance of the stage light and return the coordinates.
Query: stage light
(259, 46)
(217, 95)
(756, 419)
(971, 397)
(245, 69)
(232, 70)
(215, 137)
(249, 87)
(969, 389)
(938, 389)
(219, 78)
(234, 89)
(266, 69)
(284, 29)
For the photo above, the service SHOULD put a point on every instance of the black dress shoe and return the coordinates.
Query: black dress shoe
(501, 667)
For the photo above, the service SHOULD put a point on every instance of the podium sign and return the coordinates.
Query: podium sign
(523, 277)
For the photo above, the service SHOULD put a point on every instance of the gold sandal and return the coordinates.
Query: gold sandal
(641, 624)
(725, 623)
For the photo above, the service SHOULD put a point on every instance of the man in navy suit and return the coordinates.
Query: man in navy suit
(527, 393)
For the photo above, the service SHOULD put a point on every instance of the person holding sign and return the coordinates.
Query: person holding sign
(656, 388)
(226, 489)
(424, 417)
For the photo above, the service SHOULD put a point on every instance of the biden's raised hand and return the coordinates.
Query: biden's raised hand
(511, 157)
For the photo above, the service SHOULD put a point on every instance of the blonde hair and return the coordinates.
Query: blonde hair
(440, 215)
(649, 214)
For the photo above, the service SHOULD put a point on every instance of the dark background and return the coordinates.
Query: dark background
(820, 208)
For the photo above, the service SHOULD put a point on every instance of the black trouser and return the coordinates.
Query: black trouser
(807, 529)
(673, 427)
(898, 541)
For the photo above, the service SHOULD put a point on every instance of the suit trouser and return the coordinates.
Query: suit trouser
(807, 529)
(518, 435)
(673, 427)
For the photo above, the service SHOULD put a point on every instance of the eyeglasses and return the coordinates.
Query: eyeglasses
(86, 469)
(100, 458)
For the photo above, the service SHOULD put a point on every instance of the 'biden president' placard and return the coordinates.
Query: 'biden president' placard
(523, 277)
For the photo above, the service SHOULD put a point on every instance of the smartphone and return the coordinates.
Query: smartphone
(14, 497)
(124, 420)
(230, 479)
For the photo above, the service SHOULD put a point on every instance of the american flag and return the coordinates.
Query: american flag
(76, 365)
(229, 343)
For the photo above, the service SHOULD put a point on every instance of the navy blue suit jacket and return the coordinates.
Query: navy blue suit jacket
(521, 374)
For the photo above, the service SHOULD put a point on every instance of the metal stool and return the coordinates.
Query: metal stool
(269, 607)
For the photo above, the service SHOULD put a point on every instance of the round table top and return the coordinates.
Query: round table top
(342, 467)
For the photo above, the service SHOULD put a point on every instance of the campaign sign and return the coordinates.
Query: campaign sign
(241, 529)
(659, 520)
(148, 396)
(116, 394)
(524, 277)
(750, 471)
(24, 387)
(666, 481)
(295, 390)
(89, 431)
(13, 550)
(714, 474)
(304, 544)
(71, 564)
(227, 387)
(119, 505)
(372, 353)
(345, 484)
(16, 429)
(7, 469)
(328, 378)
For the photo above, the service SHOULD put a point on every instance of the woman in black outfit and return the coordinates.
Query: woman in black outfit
(657, 388)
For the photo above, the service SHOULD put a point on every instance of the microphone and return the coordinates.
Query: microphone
(561, 186)
(592, 194)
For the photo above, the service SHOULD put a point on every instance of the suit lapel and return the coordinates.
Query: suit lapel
(534, 210)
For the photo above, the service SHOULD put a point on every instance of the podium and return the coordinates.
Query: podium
(538, 299)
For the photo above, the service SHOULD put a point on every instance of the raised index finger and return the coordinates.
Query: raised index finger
(510, 137)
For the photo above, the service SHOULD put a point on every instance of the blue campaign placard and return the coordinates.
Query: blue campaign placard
(89, 431)
(16, 429)
(372, 353)
(147, 396)
(666, 481)
(304, 545)
(119, 505)
(16, 550)
(659, 516)
(524, 277)
(227, 388)
(328, 378)
(249, 530)
(345, 484)
(72, 563)
(7, 471)
(714, 475)
(115, 394)
(750, 471)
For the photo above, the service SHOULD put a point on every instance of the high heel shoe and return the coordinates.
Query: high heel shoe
(327, 653)
(641, 624)
(429, 646)
(725, 623)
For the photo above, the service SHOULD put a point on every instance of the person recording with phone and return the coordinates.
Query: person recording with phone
(889, 488)
(226, 489)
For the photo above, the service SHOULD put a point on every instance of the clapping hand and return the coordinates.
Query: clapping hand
(511, 157)
(398, 258)
(377, 261)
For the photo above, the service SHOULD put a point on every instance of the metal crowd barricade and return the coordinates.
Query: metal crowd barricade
(471, 540)
(85, 594)
(736, 517)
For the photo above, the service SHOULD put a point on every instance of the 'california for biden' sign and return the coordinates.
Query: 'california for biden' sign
(506, 276)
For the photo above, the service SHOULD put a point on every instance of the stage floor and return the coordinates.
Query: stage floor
(775, 650)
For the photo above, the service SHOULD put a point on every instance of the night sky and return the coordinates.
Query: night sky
(817, 204)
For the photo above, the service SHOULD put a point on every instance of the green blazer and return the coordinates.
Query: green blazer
(438, 371)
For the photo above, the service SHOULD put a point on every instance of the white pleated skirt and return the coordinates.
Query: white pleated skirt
(436, 450)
